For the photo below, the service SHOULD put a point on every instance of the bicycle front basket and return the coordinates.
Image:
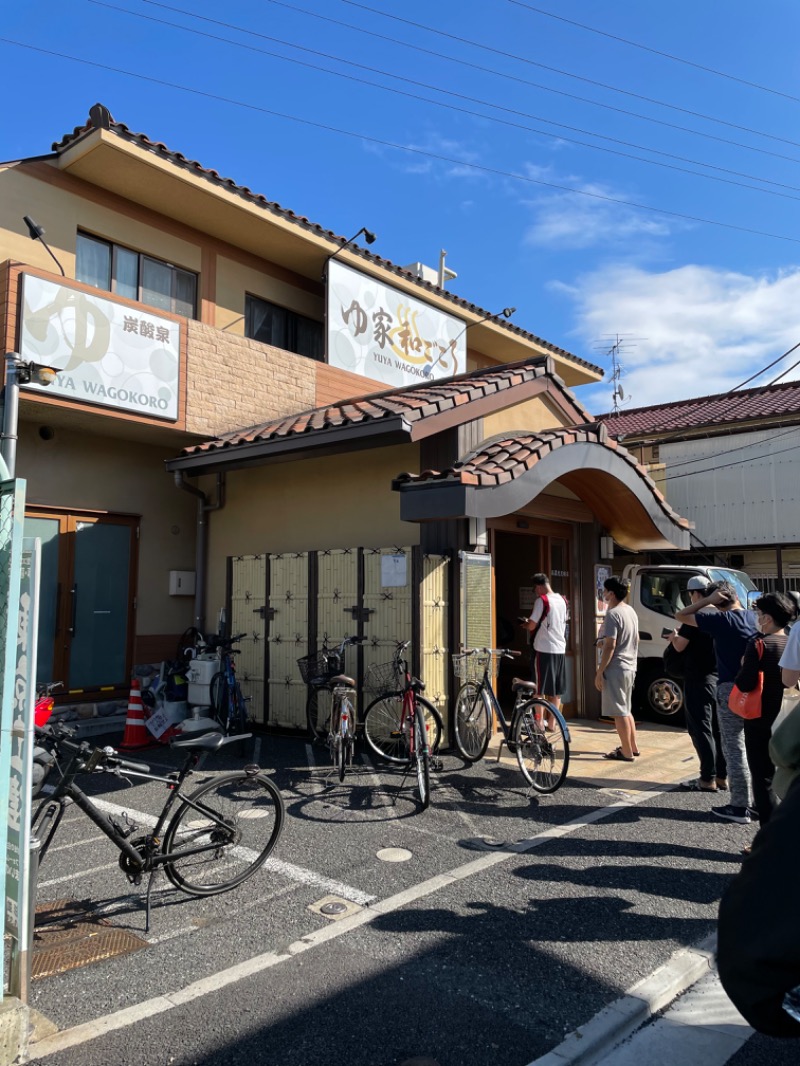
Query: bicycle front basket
(470, 666)
(383, 678)
(320, 667)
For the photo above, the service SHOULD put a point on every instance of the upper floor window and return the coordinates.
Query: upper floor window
(271, 324)
(134, 275)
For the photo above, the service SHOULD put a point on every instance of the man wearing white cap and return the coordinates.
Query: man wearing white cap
(700, 695)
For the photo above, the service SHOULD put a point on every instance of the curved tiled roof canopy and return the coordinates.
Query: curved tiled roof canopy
(411, 403)
(723, 409)
(100, 118)
(506, 457)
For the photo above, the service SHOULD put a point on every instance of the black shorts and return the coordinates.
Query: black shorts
(549, 673)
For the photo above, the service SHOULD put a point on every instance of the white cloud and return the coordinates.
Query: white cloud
(699, 330)
(567, 220)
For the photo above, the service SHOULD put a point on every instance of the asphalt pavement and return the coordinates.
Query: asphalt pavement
(483, 930)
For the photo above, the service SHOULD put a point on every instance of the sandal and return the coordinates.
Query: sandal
(617, 754)
(696, 786)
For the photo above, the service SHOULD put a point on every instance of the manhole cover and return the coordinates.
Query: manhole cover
(333, 908)
(66, 936)
(393, 855)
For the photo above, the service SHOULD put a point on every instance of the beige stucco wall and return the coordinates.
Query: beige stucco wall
(528, 417)
(63, 213)
(341, 501)
(233, 382)
(83, 472)
(235, 279)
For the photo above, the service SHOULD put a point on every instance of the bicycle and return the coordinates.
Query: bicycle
(333, 720)
(221, 833)
(400, 725)
(537, 732)
(227, 700)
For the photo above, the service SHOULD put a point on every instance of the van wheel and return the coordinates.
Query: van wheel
(660, 697)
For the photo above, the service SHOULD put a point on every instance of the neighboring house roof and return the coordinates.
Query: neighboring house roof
(507, 471)
(712, 412)
(408, 413)
(100, 118)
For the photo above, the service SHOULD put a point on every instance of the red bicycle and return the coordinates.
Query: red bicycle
(400, 725)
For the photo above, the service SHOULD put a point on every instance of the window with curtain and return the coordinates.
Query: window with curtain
(133, 275)
(282, 328)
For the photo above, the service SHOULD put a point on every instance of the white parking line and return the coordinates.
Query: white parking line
(81, 1034)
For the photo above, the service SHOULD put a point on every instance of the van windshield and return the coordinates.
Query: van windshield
(740, 581)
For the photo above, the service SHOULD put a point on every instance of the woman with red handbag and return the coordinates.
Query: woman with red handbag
(762, 656)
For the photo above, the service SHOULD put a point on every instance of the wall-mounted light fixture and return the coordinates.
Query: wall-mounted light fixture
(37, 234)
(369, 237)
(18, 372)
(507, 312)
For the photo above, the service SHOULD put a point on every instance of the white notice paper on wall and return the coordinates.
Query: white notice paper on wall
(394, 571)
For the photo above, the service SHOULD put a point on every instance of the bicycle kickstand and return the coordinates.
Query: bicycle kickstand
(150, 882)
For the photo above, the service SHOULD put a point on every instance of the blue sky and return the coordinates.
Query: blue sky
(486, 177)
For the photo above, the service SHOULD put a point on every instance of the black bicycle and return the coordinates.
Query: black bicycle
(218, 836)
(537, 733)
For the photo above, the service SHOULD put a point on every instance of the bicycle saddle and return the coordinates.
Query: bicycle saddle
(526, 686)
(342, 679)
(207, 742)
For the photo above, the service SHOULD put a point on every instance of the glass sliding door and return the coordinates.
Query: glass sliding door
(86, 610)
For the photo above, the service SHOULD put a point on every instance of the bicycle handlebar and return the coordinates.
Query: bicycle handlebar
(505, 653)
(113, 761)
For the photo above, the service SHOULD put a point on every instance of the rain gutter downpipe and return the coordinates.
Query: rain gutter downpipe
(201, 541)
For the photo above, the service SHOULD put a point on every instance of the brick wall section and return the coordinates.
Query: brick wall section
(235, 382)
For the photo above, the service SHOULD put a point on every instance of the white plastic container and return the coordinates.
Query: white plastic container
(199, 674)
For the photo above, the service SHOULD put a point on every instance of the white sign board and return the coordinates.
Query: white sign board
(105, 353)
(394, 571)
(385, 334)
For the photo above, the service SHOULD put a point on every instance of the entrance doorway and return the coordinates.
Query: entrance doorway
(86, 604)
(516, 557)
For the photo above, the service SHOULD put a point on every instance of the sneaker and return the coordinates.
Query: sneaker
(753, 814)
(732, 814)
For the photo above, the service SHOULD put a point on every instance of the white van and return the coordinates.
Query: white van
(657, 592)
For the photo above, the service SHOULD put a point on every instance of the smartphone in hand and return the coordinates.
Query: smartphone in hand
(666, 633)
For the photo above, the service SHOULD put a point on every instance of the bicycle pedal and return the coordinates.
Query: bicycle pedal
(437, 764)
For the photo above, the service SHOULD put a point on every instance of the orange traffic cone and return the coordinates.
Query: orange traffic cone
(136, 733)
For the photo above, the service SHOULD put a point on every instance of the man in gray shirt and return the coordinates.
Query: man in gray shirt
(619, 644)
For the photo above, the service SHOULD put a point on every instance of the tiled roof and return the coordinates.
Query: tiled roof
(724, 409)
(411, 403)
(100, 118)
(505, 458)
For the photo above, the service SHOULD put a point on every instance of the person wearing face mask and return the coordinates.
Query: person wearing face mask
(774, 611)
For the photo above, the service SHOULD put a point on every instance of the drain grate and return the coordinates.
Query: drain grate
(67, 936)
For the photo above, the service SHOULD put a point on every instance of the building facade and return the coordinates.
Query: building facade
(410, 459)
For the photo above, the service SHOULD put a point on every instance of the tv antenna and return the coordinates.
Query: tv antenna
(614, 345)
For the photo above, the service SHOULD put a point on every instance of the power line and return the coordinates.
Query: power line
(658, 52)
(479, 167)
(553, 70)
(460, 96)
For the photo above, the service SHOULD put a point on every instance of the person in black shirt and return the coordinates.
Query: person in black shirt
(700, 696)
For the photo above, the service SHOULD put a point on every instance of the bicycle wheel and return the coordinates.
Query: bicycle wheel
(472, 722)
(318, 712)
(238, 711)
(220, 699)
(422, 758)
(340, 754)
(383, 731)
(382, 728)
(542, 746)
(238, 818)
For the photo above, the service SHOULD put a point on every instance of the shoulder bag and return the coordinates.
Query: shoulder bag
(748, 704)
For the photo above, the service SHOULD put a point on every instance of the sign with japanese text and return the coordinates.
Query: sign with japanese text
(104, 352)
(18, 915)
(385, 334)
